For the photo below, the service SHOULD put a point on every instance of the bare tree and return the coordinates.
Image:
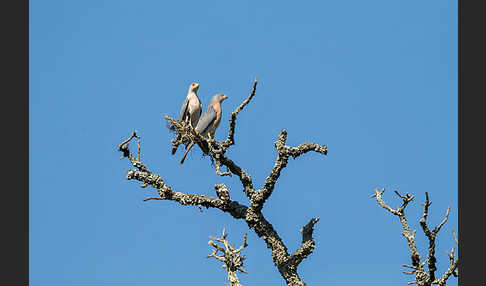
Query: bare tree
(286, 263)
(423, 277)
(231, 257)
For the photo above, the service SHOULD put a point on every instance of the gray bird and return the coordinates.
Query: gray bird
(191, 109)
(209, 121)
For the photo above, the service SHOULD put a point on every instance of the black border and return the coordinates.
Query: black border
(471, 207)
(15, 133)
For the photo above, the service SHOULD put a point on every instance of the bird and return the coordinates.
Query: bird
(190, 110)
(209, 121)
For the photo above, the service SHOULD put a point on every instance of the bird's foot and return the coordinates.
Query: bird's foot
(194, 130)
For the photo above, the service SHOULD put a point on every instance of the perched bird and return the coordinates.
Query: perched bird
(191, 109)
(209, 121)
(222, 192)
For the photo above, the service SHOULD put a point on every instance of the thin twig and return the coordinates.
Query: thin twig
(230, 140)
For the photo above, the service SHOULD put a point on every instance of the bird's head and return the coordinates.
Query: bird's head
(220, 97)
(194, 87)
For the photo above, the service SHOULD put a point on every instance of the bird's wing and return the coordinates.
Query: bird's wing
(184, 108)
(199, 111)
(206, 120)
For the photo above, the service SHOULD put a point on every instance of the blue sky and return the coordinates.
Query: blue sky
(376, 81)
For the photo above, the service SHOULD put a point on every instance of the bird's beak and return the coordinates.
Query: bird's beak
(225, 96)
(196, 87)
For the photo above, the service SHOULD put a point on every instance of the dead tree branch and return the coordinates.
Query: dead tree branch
(422, 277)
(286, 263)
(142, 174)
(231, 257)
(230, 140)
(431, 235)
(284, 152)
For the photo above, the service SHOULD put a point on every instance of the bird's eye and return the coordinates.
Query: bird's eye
(193, 85)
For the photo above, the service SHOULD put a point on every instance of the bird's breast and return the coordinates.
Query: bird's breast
(193, 105)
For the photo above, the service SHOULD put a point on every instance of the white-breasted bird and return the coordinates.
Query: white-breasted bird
(191, 109)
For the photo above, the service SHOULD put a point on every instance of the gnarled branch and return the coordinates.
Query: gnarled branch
(308, 244)
(284, 152)
(422, 278)
(431, 235)
(231, 257)
(286, 263)
(142, 174)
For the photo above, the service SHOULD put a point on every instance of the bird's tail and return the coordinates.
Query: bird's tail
(188, 148)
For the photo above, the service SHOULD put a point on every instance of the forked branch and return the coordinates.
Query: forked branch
(231, 257)
(283, 154)
(422, 277)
